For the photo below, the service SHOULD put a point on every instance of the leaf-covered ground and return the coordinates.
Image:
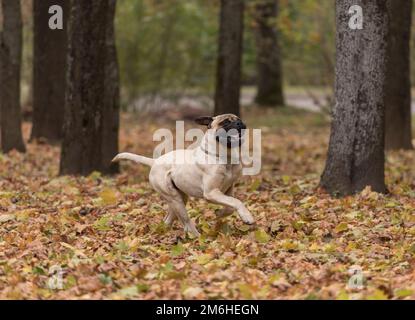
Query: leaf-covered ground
(106, 234)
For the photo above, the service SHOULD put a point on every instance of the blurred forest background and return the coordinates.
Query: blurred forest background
(175, 56)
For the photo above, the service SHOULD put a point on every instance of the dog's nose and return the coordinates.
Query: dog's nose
(240, 124)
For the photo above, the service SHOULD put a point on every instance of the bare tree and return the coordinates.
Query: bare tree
(269, 67)
(49, 71)
(86, 121)
(398, 133)
(356, 151)
(10, 65)
(228, 79)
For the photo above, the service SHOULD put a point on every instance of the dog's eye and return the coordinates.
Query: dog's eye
(225, 122)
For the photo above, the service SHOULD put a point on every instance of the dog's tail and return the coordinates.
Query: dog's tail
(134, 157)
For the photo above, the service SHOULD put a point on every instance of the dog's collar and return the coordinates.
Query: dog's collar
(208, 153)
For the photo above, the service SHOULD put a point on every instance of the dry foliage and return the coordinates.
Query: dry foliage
(107, 233)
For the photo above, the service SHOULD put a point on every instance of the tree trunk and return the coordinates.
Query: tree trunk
(269, 68)
(83, 140)
(49, 71)
(111, 118)
(398, 89)
(356, 151)
(10, 64)
(228, 79)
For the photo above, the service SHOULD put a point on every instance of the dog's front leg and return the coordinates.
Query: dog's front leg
(226, 211)
(216, 196)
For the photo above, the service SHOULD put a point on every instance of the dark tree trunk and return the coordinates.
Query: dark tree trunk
(49, 71)
(398, 85)
(83, 140)
(228, 79)
(10, 64)
(269, 68)
(111, 111)
(356, 151)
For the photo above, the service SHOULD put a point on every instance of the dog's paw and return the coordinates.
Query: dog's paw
(249, 220)
(190, 228)
(246, 216)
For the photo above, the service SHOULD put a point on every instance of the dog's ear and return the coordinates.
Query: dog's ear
(204, 121)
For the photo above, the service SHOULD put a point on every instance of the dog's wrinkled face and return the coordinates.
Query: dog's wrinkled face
(228, 128)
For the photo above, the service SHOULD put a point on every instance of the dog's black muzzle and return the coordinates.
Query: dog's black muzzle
(231, 134)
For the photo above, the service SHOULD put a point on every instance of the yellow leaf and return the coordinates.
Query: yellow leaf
(314, 247)
(243, 227)
(24, 215)
(261, 236)
(298, 225)
(204, 258)
(177, 250)
(341, 227)
(290, 245)
(108, 197)
(246, 290)
(402, 293)
(391, 205)
(343, 295)
(378, 295)
(286, 179)
(255, 185)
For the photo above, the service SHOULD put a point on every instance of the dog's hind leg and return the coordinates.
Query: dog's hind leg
(171, 215)
(176, 201)
(170, 218)
(179, 208)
